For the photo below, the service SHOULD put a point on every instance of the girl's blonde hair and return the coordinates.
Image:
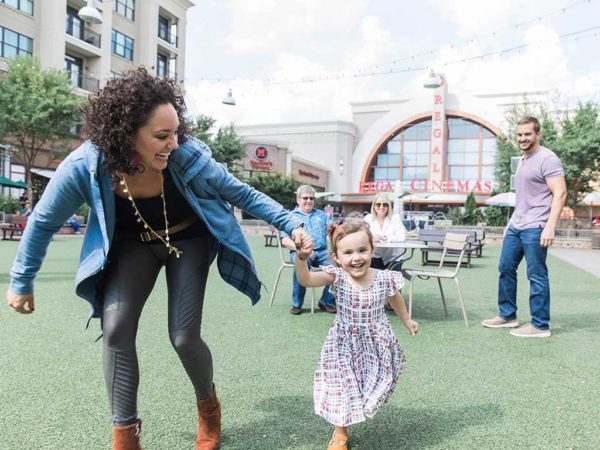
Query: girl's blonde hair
(346, 228)
(383, 198)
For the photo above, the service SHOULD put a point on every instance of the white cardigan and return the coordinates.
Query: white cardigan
(393, 230)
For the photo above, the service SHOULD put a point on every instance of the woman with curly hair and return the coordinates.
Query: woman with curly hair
(156, 199)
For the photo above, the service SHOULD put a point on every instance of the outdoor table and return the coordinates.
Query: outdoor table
(405, 246)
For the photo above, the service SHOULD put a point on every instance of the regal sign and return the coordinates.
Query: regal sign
(438, 132)
(417, 185)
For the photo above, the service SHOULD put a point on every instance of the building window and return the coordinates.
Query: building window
(125, 7)
(167, 31)
(13, 44)
(122, 45)
(74, 67)
(161, 65)
(74, 24)
(25, 6)
(173, 69)
(471, 151)
(470, 154)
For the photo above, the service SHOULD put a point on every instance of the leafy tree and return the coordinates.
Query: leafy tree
(37, 110)
(202, 129)
(227, 147)
(578, 147)
(496, 216)
(277, 186)
(9, 204)
(575, 139)
(507, 142)
(471, 212)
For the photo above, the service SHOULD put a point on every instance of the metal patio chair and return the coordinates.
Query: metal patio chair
(452, 241)
(286, 263)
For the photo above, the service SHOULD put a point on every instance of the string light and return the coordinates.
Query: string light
(378, 70)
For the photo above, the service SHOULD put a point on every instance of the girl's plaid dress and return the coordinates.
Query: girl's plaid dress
(361, 358)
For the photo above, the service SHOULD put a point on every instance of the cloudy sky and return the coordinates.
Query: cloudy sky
(305, 60)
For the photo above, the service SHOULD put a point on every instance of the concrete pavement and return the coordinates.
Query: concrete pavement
(586, 259)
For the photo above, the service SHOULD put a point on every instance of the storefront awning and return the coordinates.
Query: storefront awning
(14, 184)
(43, 172)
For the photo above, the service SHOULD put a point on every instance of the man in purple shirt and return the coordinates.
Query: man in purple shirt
(540, 196)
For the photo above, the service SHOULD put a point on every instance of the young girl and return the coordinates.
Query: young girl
(361, 359)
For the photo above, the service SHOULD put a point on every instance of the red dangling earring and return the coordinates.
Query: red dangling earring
(135, 158)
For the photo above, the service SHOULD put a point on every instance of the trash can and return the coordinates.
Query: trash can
(596, 239)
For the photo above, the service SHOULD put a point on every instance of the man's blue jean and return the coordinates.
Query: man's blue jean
(321, 258)
(519, 243)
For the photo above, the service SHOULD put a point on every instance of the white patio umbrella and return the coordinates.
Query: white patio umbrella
(324, 194)
(408, 197)
(592, 199)
(503, 199)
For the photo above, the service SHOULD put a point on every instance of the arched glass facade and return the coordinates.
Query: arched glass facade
(470, 153)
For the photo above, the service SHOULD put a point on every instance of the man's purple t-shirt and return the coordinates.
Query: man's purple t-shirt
(534, 198)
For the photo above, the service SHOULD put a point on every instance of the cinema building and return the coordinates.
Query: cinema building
(437, 146)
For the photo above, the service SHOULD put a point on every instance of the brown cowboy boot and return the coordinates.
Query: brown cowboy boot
(338, 442)
(209, 423)
(127, 437)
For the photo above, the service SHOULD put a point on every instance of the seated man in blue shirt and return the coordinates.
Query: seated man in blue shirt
(73, 222)
(315, 224)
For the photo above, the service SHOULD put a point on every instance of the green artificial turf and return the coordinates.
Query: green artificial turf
(464, 387)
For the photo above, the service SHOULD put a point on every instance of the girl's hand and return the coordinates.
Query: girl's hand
(412, 326)
(21, 303)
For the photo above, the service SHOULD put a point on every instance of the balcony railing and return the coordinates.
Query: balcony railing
(86, 35)
(169, 38)
(85, 82)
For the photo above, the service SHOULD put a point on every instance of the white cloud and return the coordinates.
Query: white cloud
(540, 66)
(308, 44)
(295, 101)
(265, 25)
(475, 16)
(377, 42)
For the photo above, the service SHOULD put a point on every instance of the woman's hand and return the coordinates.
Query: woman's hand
(21, 303)
(379, 238)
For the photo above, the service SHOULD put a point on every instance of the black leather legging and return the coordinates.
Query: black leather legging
(130, 276)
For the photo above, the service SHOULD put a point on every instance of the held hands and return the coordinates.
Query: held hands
(547, 237)
(306, 250)
(412, 326)
(21, 303)
(300, 237)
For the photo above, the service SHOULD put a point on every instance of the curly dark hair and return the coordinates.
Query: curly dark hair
(113, 115)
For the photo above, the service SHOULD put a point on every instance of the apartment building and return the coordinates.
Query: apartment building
(132, 33)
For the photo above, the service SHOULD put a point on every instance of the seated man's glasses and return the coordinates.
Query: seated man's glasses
(307, 198)
(382, 205)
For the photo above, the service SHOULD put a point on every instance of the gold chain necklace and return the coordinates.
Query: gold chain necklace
(140, 219)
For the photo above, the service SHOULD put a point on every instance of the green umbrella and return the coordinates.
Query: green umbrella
(14, 184)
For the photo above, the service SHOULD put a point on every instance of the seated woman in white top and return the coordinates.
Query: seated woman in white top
(387, 227)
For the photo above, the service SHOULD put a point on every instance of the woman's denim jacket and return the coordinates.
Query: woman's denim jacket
(205, 184)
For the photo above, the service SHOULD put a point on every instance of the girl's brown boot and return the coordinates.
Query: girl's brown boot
(127, 437)
(338, 442)
(209, 423)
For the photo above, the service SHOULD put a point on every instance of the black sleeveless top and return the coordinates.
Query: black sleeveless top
(151, 209)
